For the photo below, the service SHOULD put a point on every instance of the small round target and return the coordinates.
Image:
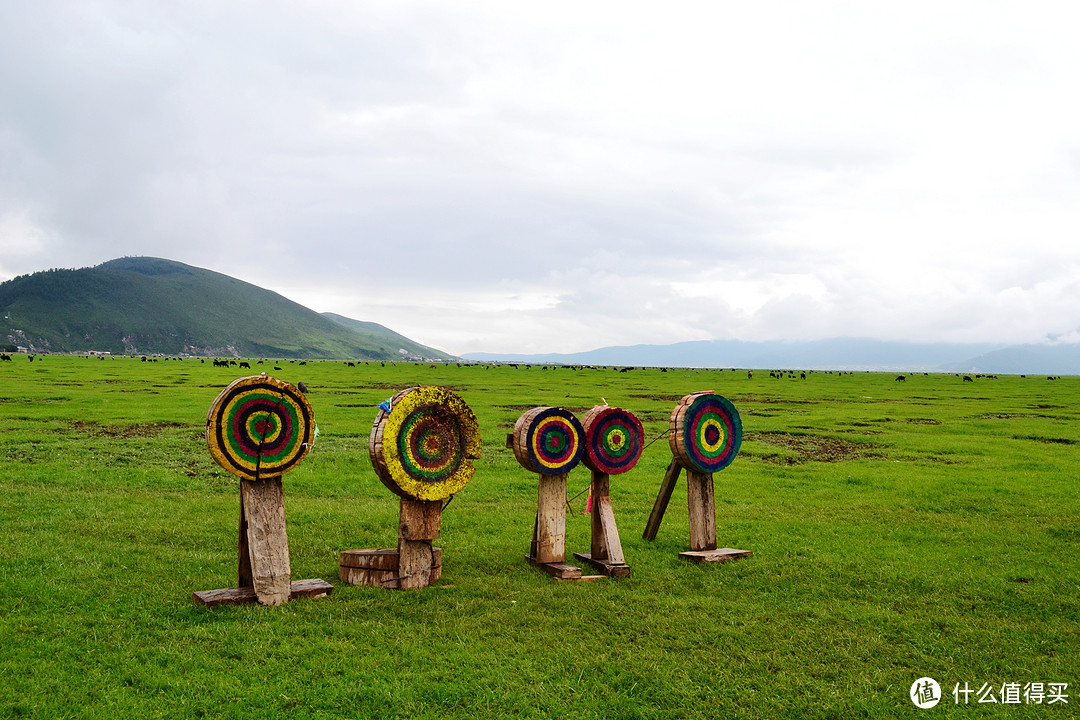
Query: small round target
(613, 439)
(706, 432)
(548, 440)
(259, 427)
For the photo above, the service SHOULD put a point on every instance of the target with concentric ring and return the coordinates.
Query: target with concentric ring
(706, 432)
(549, 440)
(259, 427)
(613, 439)
(422, 447)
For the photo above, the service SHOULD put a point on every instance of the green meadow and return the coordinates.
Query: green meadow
(929, 527)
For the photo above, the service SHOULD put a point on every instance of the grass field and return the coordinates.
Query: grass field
(900, 529)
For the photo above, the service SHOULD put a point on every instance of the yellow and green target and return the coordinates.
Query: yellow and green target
(423, 445)
(259, 427)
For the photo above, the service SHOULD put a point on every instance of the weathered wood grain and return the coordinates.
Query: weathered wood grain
(268, 543)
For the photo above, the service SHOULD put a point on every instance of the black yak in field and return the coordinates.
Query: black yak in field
(901, 378)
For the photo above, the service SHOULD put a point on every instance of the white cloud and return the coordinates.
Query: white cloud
(598, 173)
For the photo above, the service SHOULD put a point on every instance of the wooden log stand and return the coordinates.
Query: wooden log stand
(606, 554)
(701, 503)
(264, 573)
(548, 548)
(413, 564)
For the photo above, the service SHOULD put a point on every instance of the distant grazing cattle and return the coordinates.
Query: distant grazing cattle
(967, 378)
(245, 365)
(901, 378)
(5, 357)
(802, 375)
(749, 374)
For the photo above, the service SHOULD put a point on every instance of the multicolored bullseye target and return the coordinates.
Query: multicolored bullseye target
(706, 432)
(259, 427)
(613, 439)
(421, 447)
(548, 440)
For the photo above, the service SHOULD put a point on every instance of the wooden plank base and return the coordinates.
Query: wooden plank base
(607, 567)
(379, 567)
(718, 555)
(314, 588)
(558, 570)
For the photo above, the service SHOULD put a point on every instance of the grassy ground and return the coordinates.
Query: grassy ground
(899, 529)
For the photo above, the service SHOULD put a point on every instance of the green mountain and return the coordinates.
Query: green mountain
(143, 305)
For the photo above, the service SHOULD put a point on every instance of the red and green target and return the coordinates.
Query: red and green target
(423, 445)
(706, 432)
(613, 439)
(549, 440)
(259, 427)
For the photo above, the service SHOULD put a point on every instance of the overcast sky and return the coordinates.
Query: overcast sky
(559, 176)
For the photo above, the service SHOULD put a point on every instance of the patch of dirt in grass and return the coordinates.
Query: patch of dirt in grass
(806, 447)
(1022, 416)
(124, 431)
(1040, 438)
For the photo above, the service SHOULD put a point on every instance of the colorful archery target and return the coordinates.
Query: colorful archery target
(259, 427)
(421, 447)
(549, 440)
(706, 432)
(613, 439)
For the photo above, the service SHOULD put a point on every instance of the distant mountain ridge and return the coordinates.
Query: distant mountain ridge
(830, 354)
(146, 305)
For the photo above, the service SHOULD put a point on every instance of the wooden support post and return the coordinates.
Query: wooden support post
(268, 544)
(702, 505)
(550, 536)
(419, 524)
(606, 554)
(413, 564)
(263, 570)
(548, 549)
(671, 478)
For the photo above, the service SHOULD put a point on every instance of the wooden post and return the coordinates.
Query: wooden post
(701, 502)
(551, 520)
(413, 564)
(548, 548)
(268, 544)
(418, 525)
(606, 553)
(263, 570)
(667, 487)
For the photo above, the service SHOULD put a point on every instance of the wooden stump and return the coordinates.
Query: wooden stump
(413, 564)
(605, 553)
(263, 570)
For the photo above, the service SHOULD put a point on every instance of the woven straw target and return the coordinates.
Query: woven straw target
(706, 432)
(422, 447)
(259, 427)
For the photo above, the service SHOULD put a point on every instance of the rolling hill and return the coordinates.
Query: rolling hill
(144, 305)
